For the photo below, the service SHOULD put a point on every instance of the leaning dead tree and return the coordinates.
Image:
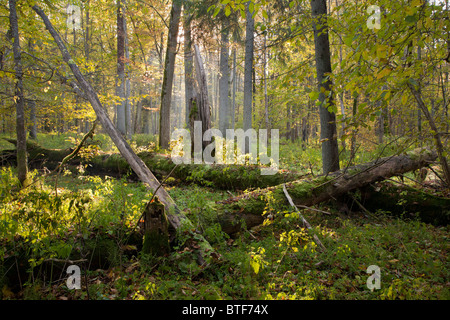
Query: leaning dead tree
(175, 217)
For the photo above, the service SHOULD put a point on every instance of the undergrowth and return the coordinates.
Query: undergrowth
(93, 218)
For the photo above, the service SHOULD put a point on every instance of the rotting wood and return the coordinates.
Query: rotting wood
(156, 229)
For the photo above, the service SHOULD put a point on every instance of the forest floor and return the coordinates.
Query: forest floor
(54, 218)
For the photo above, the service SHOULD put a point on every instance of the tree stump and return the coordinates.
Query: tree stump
(156, 229)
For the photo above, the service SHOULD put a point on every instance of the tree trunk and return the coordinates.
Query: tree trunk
(436, 133)
(265, 76)
(169, 69)
(221, 176)
(22, 168)
(248, 74)
(121, 85)
(328, 133)
(188, 64)
(233, 107)
(199, 108)
(176, 218)
(353, 139)
(138, 115)
(288, 122)
(33, 120)
(128, 113)
(341, 96)
(224, 122)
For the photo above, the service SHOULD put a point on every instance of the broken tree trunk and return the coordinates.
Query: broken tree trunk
(156, 232)
(174, 215)
(199, 108)
(248, 208)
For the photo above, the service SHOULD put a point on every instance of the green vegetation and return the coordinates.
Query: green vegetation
(93, 218)
(343, 83)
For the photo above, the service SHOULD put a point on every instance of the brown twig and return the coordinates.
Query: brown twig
(313, 209)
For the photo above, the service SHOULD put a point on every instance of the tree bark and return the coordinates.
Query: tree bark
(176, 218)
(233, 106)
(188, 64)
(121, 85)
(224, 122)
(248, 73)
(266, 75)
(22, 167)
(328, 132)
(128, 113)
(169, 69)
(199, 106)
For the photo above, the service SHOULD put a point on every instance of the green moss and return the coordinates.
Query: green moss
(155, 243)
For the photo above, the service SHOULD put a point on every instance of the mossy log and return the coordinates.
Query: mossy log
(406, 201)
(248, 208)
(37, 155)
(222, 176)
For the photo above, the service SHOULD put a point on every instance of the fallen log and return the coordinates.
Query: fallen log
(37, 155)
(222, 176)
(247, 209)
(407, 201)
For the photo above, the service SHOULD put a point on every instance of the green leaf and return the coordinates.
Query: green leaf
(242, 13)
(227, 11)
(411, 19)
(348, 40)
(251, 7)
(314, 95)
(216, 12)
